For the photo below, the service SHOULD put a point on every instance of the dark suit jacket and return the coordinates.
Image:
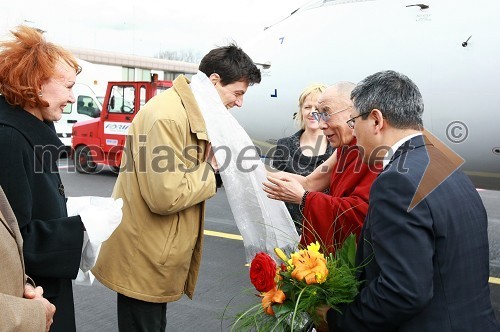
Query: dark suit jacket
(16, 313)
(30, 178)
(426, 269)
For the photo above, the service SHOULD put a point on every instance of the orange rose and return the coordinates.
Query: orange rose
(273, 296)
(309, 266)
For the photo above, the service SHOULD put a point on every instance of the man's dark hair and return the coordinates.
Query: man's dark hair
(394, 94)
(232, 65)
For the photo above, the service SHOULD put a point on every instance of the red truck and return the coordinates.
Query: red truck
(100, 141)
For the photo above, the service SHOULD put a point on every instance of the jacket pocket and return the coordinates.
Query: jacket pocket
(170, 232)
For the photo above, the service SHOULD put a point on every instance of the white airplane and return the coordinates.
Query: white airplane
(448, 48)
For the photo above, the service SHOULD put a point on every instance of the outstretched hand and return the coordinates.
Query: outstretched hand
(286, 189)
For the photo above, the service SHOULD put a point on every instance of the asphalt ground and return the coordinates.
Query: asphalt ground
(223, 287)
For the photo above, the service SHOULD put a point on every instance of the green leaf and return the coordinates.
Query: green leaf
(346, 254)
(283, 309)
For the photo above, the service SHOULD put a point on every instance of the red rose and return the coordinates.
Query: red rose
(263, 272)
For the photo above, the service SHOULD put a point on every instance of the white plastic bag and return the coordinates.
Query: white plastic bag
(100, 216)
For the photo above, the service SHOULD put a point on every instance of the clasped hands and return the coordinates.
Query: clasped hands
(36, 294)
(284, 188)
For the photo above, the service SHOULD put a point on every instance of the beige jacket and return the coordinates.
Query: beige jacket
(155, 253)
(16, 313)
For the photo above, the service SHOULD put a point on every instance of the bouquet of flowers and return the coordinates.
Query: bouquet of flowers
(291, 292)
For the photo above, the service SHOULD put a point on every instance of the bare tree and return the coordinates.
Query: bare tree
(182, 55)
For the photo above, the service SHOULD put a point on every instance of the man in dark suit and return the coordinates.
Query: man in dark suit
(423, 253)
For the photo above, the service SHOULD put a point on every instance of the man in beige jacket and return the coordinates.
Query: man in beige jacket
(22, 307)
(154, 256)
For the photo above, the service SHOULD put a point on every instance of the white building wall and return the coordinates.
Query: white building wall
(97, 76)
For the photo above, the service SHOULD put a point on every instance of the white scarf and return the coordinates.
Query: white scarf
(264, 224)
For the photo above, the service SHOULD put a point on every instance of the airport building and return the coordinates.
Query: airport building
(99, 67)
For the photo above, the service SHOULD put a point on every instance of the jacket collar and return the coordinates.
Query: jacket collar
(411, 144)
(40, 135)
(35, 131)
(196, 121)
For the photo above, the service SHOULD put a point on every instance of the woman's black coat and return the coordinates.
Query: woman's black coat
(29, 149)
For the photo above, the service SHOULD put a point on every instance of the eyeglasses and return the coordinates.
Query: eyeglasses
(325, 116)
(351, 121)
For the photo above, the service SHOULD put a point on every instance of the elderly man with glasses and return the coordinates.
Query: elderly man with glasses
(330, 217)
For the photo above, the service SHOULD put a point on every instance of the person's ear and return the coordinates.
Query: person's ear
(214, 78)
(378, 119)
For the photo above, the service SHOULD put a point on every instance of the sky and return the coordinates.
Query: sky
(146, 27)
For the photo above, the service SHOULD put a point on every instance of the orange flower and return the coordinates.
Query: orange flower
(309, 265)
(273, 296)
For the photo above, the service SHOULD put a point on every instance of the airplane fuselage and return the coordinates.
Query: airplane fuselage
(448, 49)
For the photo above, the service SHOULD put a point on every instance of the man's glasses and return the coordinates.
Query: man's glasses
(351, 121)
(325, 116)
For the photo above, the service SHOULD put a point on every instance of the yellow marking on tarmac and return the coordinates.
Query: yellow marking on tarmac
(492, 280)
(483, 174)
(224, 235)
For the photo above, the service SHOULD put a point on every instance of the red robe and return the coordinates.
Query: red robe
(330, 218)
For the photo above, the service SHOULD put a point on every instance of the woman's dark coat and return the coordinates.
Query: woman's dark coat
(29, 149)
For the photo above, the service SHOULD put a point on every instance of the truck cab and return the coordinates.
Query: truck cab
(100, 141)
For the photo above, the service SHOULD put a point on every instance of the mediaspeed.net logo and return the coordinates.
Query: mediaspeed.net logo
(443, 161)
